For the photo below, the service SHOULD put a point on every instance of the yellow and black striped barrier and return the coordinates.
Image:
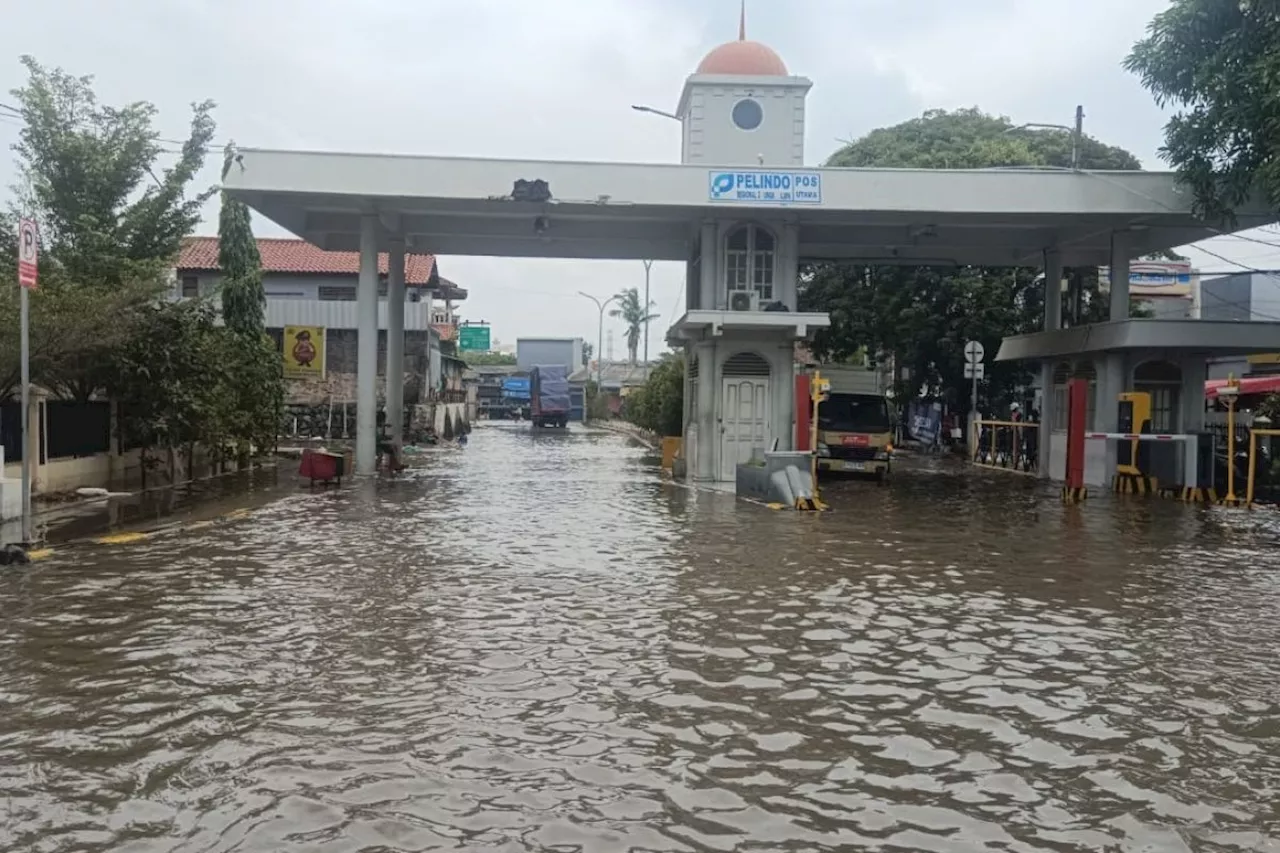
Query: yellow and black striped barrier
(1074, 494)
(1134, 484)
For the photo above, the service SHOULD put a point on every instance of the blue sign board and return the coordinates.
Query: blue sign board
(758, 186)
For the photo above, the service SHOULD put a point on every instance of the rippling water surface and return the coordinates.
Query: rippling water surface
(535, 644)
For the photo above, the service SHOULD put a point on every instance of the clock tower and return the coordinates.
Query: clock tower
(741, 107)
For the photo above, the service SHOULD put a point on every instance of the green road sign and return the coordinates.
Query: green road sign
(473, 338)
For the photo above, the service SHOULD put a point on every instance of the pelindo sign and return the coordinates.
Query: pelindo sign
(1156, 278)
(764, 187)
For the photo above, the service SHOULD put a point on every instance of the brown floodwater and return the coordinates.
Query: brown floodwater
(537, 644)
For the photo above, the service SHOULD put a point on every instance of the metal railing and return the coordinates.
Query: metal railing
(1263, 483)
(1010, 445)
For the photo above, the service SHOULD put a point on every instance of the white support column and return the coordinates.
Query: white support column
(1048, 414)
(367, 348)
(787, 266)
(710, 247)
(395, 338)
(708, 421)
(1120, 241)
(1052, 290)
(1111, 369)
(784, 396)
(1052, 322)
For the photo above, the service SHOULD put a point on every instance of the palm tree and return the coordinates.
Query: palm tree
(636, 316)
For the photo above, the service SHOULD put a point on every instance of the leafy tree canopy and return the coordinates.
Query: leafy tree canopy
(243, 299)
(635, 315)
(658, 405)
(1218, 63)
(111, 219)
(480, 359)
(109, 212)
(972, 139)
(923, 315)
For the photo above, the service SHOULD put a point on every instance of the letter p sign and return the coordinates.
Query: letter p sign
(28, 253)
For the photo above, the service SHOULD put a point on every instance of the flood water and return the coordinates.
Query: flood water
(536, 644)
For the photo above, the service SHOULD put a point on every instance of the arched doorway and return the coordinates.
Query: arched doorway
(744, 410)
(1163, 381)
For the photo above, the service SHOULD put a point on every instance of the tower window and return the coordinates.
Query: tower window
(749, 259)
(747, 114)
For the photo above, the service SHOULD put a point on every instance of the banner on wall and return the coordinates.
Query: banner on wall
(1156, 278)
(924, 422)
(304, 352)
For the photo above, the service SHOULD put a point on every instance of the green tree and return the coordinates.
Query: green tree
(658, 405)
(477, 359)
(922, 315)
(971, 139)
(173, 380)
(111, 221)
(257, 381)
(108, 212)
(1218, 63)
(635, 315)
(243, 299)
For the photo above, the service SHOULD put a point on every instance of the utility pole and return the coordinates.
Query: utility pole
(1077, 138)
(648, 265)
(1077, 133)
(599, 336)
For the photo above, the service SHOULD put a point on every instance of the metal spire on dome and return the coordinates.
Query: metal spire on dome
(742, 22)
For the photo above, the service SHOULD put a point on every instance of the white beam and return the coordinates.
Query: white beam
(367, 348)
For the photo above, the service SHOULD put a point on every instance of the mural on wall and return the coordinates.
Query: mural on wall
(304, 352)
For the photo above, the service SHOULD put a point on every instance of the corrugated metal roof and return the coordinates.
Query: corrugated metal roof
(339, 314)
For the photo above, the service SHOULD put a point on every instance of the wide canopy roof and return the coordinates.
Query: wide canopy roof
(460, 206)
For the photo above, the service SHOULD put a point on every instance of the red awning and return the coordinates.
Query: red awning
(1248, 385)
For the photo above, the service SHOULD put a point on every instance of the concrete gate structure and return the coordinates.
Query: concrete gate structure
(741, 211)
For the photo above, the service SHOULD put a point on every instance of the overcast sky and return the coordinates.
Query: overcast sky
(555, 79)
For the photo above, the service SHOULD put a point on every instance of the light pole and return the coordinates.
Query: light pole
(641, 108)
(1077, 133)
(648, 265)
(599, 336)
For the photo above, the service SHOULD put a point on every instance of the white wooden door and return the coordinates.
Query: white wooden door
(744, 425)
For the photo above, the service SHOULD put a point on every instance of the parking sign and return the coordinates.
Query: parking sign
(28, 253)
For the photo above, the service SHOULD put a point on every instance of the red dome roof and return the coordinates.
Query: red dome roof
(743, 58)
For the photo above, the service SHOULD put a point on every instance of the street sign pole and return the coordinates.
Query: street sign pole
(973, 354)
(25, 345)
(28, 255)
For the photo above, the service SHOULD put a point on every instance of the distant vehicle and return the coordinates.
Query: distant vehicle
(855, 431)
(549, 395)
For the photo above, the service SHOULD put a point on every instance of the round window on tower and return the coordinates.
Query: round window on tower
(747, 114)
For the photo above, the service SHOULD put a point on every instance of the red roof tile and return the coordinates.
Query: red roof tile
(290, 255)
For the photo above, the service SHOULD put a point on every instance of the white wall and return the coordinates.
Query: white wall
(711, 137)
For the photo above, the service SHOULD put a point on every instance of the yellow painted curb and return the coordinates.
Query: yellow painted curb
(121, 538)
(40, 554)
